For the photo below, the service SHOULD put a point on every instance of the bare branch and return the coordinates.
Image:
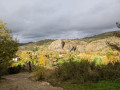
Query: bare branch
(118, 24)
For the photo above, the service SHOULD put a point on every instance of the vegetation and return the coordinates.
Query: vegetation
(34, 46)
(100, 36)
(40, 73)
(82, 75)
(101, 85)
(51, 59)
(76, 69)
(8, 47)
(83, 70)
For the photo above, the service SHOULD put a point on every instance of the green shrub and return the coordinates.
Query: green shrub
(76, 59)
(98, 61)
(60, 62)
(3, 71)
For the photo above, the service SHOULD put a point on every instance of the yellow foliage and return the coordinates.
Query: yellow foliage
(113, 59)
(116, 53)
(13, 65)
(105, 60)
(112, 56)
(42, 60)
(25, 57)
(108, 56)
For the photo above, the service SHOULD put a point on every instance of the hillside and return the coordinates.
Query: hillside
(100, 36)
(34, 45)
(96, 42)
(22, 44)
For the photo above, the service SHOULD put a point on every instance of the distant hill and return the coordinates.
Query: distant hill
(96, 42)
(22, 44)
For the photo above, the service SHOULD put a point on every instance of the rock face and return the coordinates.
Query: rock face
(96, 45)
(68, 45)
(101, 44)
(57, 45)
(82, 46)
(63, 45)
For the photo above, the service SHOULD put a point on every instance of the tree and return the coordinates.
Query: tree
(8, 47)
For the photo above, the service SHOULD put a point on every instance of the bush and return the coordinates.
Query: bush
(14, 70)
(40, 73)
(85, 71)
(77, 71)
(60, 62)
(98, 61)
(110, 71)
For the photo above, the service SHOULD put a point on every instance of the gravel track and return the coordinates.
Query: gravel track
(21, 81)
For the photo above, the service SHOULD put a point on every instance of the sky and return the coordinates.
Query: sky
(35, 20)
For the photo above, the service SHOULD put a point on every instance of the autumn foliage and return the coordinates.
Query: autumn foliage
(8, 47)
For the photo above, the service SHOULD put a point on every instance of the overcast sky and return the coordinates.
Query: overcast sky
(34, 20)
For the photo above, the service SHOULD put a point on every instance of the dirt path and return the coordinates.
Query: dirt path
(21, 82)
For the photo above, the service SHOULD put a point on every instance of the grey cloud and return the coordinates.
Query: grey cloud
(33, 20)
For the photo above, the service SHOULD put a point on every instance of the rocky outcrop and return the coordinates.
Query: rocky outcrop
(57, 45)
(82, 46)
(101, 44)
(70, 47)
(96, 45)
(63, 45)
